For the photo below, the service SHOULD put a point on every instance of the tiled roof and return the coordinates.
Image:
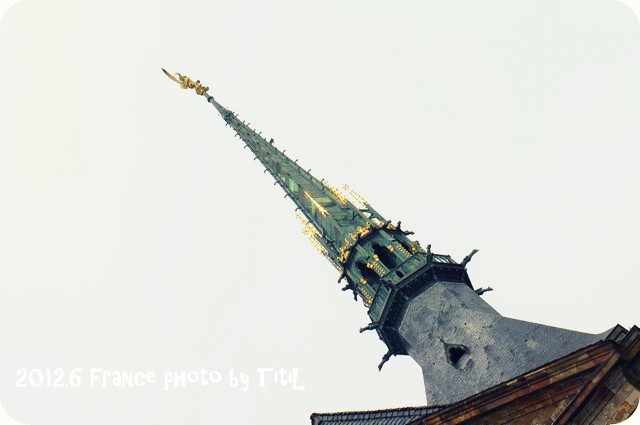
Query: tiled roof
(402, 416)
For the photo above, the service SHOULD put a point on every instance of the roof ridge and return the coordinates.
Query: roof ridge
(381, 411)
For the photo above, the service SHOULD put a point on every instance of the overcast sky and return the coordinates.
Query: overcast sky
(137, 234)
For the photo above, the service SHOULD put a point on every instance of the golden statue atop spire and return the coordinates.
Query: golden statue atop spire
(186, 82)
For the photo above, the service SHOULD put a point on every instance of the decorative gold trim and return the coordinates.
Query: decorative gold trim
(321, 249)
(307, 226)
(312, 234)
(320, 208)
(377, 268)
(344, 253)
(403, 251)
(343, 199)
(355, 196)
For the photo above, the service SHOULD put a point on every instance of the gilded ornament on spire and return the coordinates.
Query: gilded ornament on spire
(186, 82)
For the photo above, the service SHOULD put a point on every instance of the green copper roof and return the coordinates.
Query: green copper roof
(332, 221)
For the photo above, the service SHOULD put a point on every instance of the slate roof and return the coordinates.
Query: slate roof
(407, 415)
(401, 416)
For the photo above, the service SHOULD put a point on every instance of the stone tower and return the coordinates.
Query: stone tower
(420, 303)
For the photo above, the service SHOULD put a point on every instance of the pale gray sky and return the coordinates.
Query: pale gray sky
(139, 235)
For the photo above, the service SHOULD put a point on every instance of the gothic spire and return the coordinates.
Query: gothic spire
(357, 240)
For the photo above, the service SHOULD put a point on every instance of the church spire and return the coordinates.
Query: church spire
(336, 222)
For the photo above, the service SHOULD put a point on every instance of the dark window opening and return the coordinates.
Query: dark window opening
(368, 274)
(455, 353)
(399, 273)
(385, 256)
